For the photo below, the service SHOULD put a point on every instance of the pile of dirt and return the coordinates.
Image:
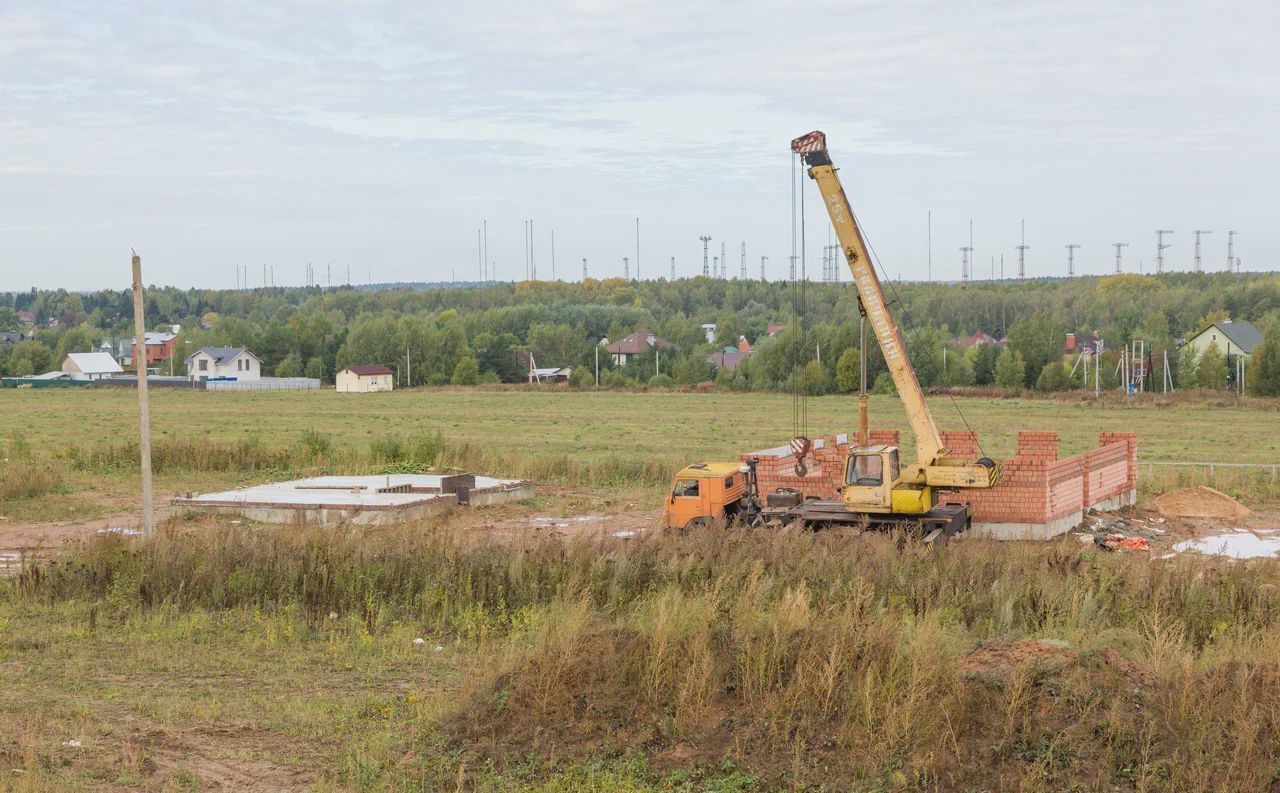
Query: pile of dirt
(1199, 502)
(996, 662)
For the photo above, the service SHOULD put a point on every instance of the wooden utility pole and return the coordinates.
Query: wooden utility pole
(144, 412)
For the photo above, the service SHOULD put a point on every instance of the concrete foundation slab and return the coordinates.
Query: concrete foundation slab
(391, 498)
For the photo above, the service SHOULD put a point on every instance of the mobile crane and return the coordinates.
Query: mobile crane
(877, 488)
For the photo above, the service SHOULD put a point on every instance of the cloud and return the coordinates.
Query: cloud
(297, 127)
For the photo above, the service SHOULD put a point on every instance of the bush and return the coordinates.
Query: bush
(1010, 369)
(1054, 377)
(661, 380)
(466, 372)
(582, 377)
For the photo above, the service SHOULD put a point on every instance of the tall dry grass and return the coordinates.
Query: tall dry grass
(806, 658)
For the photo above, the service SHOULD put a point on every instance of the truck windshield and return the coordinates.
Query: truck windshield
(686, 488)
(867, 470)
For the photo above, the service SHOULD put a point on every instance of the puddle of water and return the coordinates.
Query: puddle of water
(1240, 544)
(127, 532)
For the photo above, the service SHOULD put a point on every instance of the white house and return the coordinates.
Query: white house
(90, 365)
(364, 379)
(227, 363)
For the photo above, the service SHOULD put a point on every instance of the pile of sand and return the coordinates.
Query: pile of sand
(1199, 502)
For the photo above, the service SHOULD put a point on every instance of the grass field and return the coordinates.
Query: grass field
(676, 425)
(553, 436)
(244, 657)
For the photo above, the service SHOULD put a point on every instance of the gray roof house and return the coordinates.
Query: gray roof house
(1232, 337)
(224, 363)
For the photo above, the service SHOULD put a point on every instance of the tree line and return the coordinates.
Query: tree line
(472, 333)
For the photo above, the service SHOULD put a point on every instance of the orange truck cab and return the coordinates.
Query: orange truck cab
(705, 494)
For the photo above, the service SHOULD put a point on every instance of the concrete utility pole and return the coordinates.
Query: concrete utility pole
(1231, 249)
(1119, 246)
(724, 262)
(144, 408)
(763, 259)
(1198, 232)
(1161, 245)
(705, 240)
(1071, 259)
(1022, 250)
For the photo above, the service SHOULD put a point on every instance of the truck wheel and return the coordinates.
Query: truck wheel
(697, 524)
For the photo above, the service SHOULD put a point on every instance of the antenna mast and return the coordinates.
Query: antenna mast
(1022, 250)
(1071, 259)
(705, 240)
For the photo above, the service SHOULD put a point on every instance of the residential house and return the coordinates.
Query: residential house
(709, 330)
(1231, 337)
(27, 318)
(90, 365)
(365, 379)
(730, 357)
(159, 346)
(980, 337)
(639, 345)
(224, 363)
(10, 337)
(773, 330)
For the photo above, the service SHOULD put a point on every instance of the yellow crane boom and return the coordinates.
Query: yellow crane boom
(932, 465)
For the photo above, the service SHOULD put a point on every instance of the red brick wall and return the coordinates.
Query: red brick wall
(1036, 487)
(1037, 446)
(961, 443)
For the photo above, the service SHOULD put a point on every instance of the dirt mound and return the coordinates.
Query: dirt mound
(1199, 502)
(999, 660)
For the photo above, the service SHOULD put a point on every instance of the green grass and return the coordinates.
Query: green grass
(607, 424)
(82, 443)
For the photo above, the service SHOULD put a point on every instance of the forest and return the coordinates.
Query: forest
(475, 333)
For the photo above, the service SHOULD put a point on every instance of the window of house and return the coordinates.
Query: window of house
(867, 470)
(728, 481)
(686, 488)
(204, 364)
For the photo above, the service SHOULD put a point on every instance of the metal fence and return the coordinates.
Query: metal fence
(264, 384)
(1150, 465)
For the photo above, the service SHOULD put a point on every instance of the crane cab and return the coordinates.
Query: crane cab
(705, 494)
(873, 483)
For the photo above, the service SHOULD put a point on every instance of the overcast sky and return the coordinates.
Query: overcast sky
(379, 135)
